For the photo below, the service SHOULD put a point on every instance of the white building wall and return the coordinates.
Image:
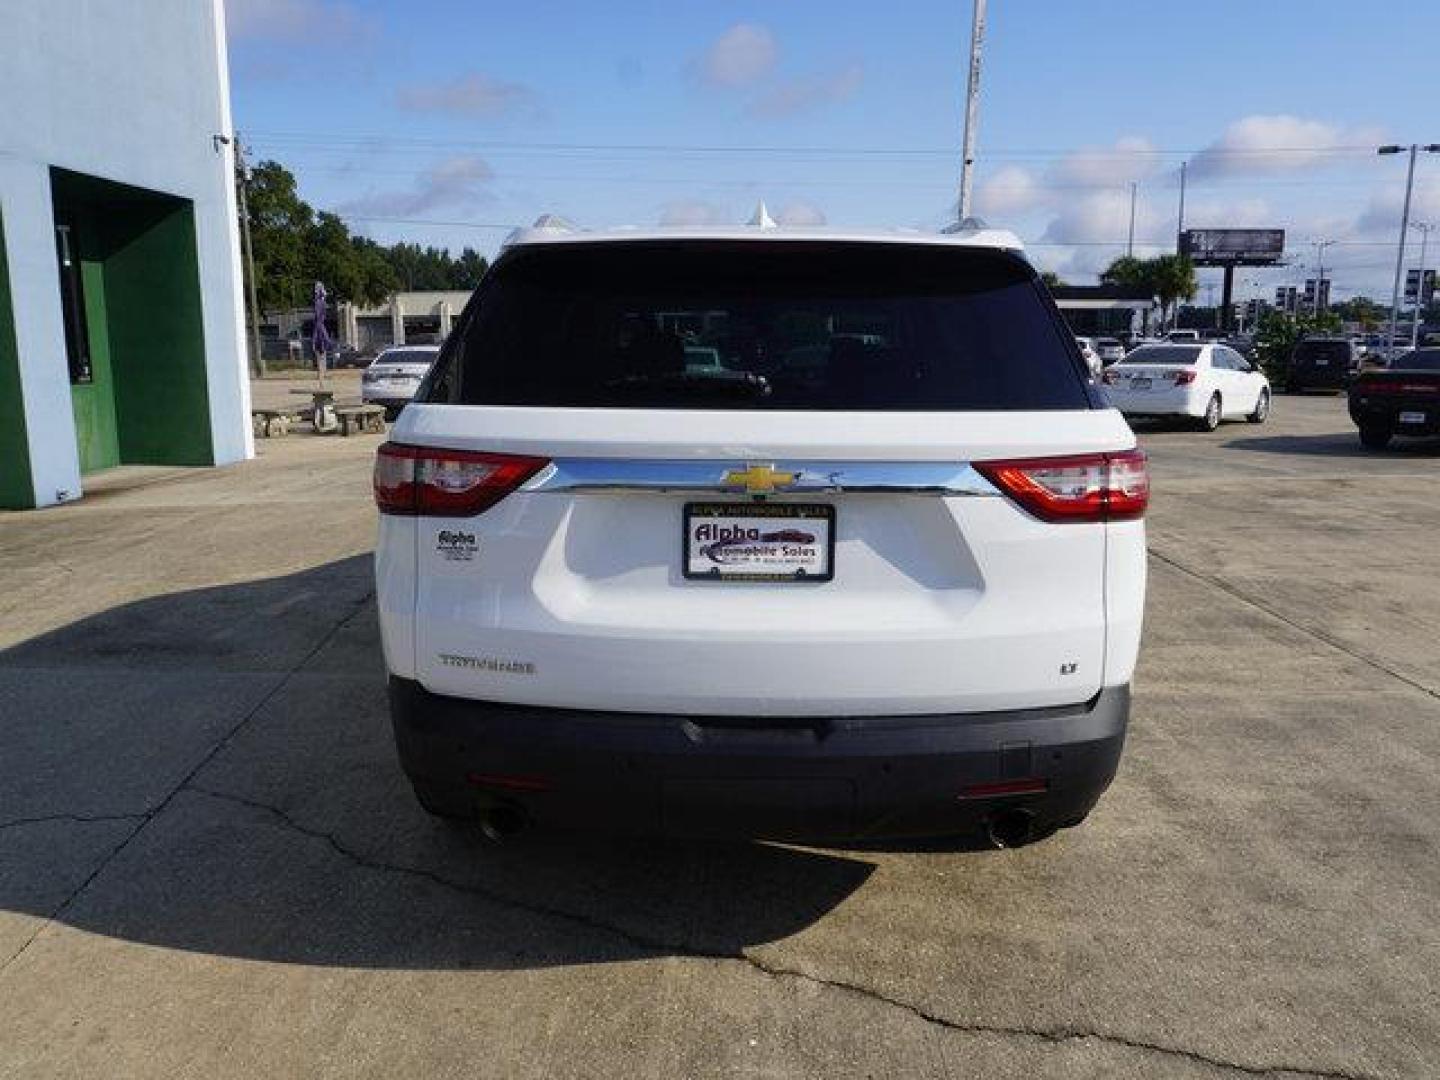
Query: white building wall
(131, 91)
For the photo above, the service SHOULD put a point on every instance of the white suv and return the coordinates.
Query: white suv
(765, 533)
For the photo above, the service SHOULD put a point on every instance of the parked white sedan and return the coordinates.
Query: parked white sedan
(1208, 383)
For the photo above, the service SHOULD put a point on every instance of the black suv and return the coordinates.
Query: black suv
(1323, 363)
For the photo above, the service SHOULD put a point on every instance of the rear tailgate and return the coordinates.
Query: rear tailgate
(939, 602)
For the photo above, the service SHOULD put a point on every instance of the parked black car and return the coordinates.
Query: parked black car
(1402, 399)
(1322, 363)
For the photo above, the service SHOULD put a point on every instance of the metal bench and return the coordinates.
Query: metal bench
(355, 419)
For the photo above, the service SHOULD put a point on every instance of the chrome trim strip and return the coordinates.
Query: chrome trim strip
(940, 478)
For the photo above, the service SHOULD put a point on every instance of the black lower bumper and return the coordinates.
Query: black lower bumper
(1386, 415)
(777, 778)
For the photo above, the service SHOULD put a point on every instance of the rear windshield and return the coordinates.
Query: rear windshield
(1419, 360)
(755, 325)
(1163, 354)
(407, 356)
(1329, 350)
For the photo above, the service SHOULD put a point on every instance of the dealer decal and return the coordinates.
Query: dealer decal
(456, 545)
(488, 663)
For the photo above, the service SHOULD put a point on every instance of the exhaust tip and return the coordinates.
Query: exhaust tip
(502, 822)
(1011, 828)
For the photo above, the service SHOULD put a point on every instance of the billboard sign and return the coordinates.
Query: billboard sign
(1233, 247)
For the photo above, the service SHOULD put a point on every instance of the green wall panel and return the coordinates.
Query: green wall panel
(17, 489)
(157, 339)
(96, 431)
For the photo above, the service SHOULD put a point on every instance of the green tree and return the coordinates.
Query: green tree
(1051, 279)
(1277, 334)
(1173, 280)
(1131, 273)
(279, 223)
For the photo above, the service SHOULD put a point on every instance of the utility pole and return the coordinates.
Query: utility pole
(242, 183)
(1180, 221)
(1130, 240)
(1424, 227)
(1432, 148)
(972, 112)
(1320, 246)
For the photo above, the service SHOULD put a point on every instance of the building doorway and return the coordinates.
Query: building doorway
(134, 338)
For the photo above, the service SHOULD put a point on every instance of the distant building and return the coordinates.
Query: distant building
(414, 318)
(121, 334)
(1104, 310)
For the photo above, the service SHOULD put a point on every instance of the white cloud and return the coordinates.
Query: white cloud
(1382, 213)
(1132, 157)
(456, 182)
(1009, 190)
(742, 56)
(474, 94)
(800, 212)
(690, 213)
(306, 23)
(807, 92)
(1280, 144)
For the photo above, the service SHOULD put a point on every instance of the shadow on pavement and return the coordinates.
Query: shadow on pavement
(231, 746)
(1335, 445)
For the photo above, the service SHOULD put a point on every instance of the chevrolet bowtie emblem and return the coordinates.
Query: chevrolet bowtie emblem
(758, 479)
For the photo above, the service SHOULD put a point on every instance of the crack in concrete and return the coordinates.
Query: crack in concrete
(651, 944)
(78, 818)
(1319, 635)
(143, 820)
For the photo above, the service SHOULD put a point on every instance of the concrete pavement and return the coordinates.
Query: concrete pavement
(211, 866)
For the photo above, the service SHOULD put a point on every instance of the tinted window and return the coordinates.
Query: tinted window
(1332, 351)
(407, 356)
(1419, 360)
(1163, 354)
(755, 325)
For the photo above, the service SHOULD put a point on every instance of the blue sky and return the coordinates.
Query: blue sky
(449, 122)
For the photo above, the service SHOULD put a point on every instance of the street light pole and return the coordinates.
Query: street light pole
(1180, 220)
(1320, 246)
(1413, 148)
(972, 112)
(1130, 240)
(1424, 227)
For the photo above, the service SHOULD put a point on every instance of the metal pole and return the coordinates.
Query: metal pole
(972, 112)
(1130, 240)
(1180, 222)
(1320, 246)
(1424, 228)
(1400, 253)
(244, 184)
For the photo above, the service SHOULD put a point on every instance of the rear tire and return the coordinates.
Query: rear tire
(1375, 436)
(1211, 420)
(1262, 408)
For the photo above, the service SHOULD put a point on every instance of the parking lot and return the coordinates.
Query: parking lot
(210, 864)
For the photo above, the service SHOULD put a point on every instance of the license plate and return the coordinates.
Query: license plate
(759, 542)
(1321, 361)
(1412, 418)
(1139, 384)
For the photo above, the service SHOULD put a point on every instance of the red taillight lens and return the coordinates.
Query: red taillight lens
(1086, 487)
(1109, 378)
(426, 481)
(1184, 377)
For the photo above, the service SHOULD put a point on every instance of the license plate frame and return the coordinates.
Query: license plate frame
(1141, 382)
(693, 559)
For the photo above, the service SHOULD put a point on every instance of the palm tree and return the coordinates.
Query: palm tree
(1174, 280)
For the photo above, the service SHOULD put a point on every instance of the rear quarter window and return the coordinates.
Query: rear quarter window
(762, 325)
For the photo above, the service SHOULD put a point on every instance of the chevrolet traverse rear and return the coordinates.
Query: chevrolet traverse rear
(764, 533)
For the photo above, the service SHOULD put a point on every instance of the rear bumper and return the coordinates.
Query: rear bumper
(1337, 378)
(1176, 402)
(811, 778)
(1386, 413)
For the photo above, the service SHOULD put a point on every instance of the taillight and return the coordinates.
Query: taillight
(1184, 377)
(425, 481)
(1085, 487)
(1109, 378)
